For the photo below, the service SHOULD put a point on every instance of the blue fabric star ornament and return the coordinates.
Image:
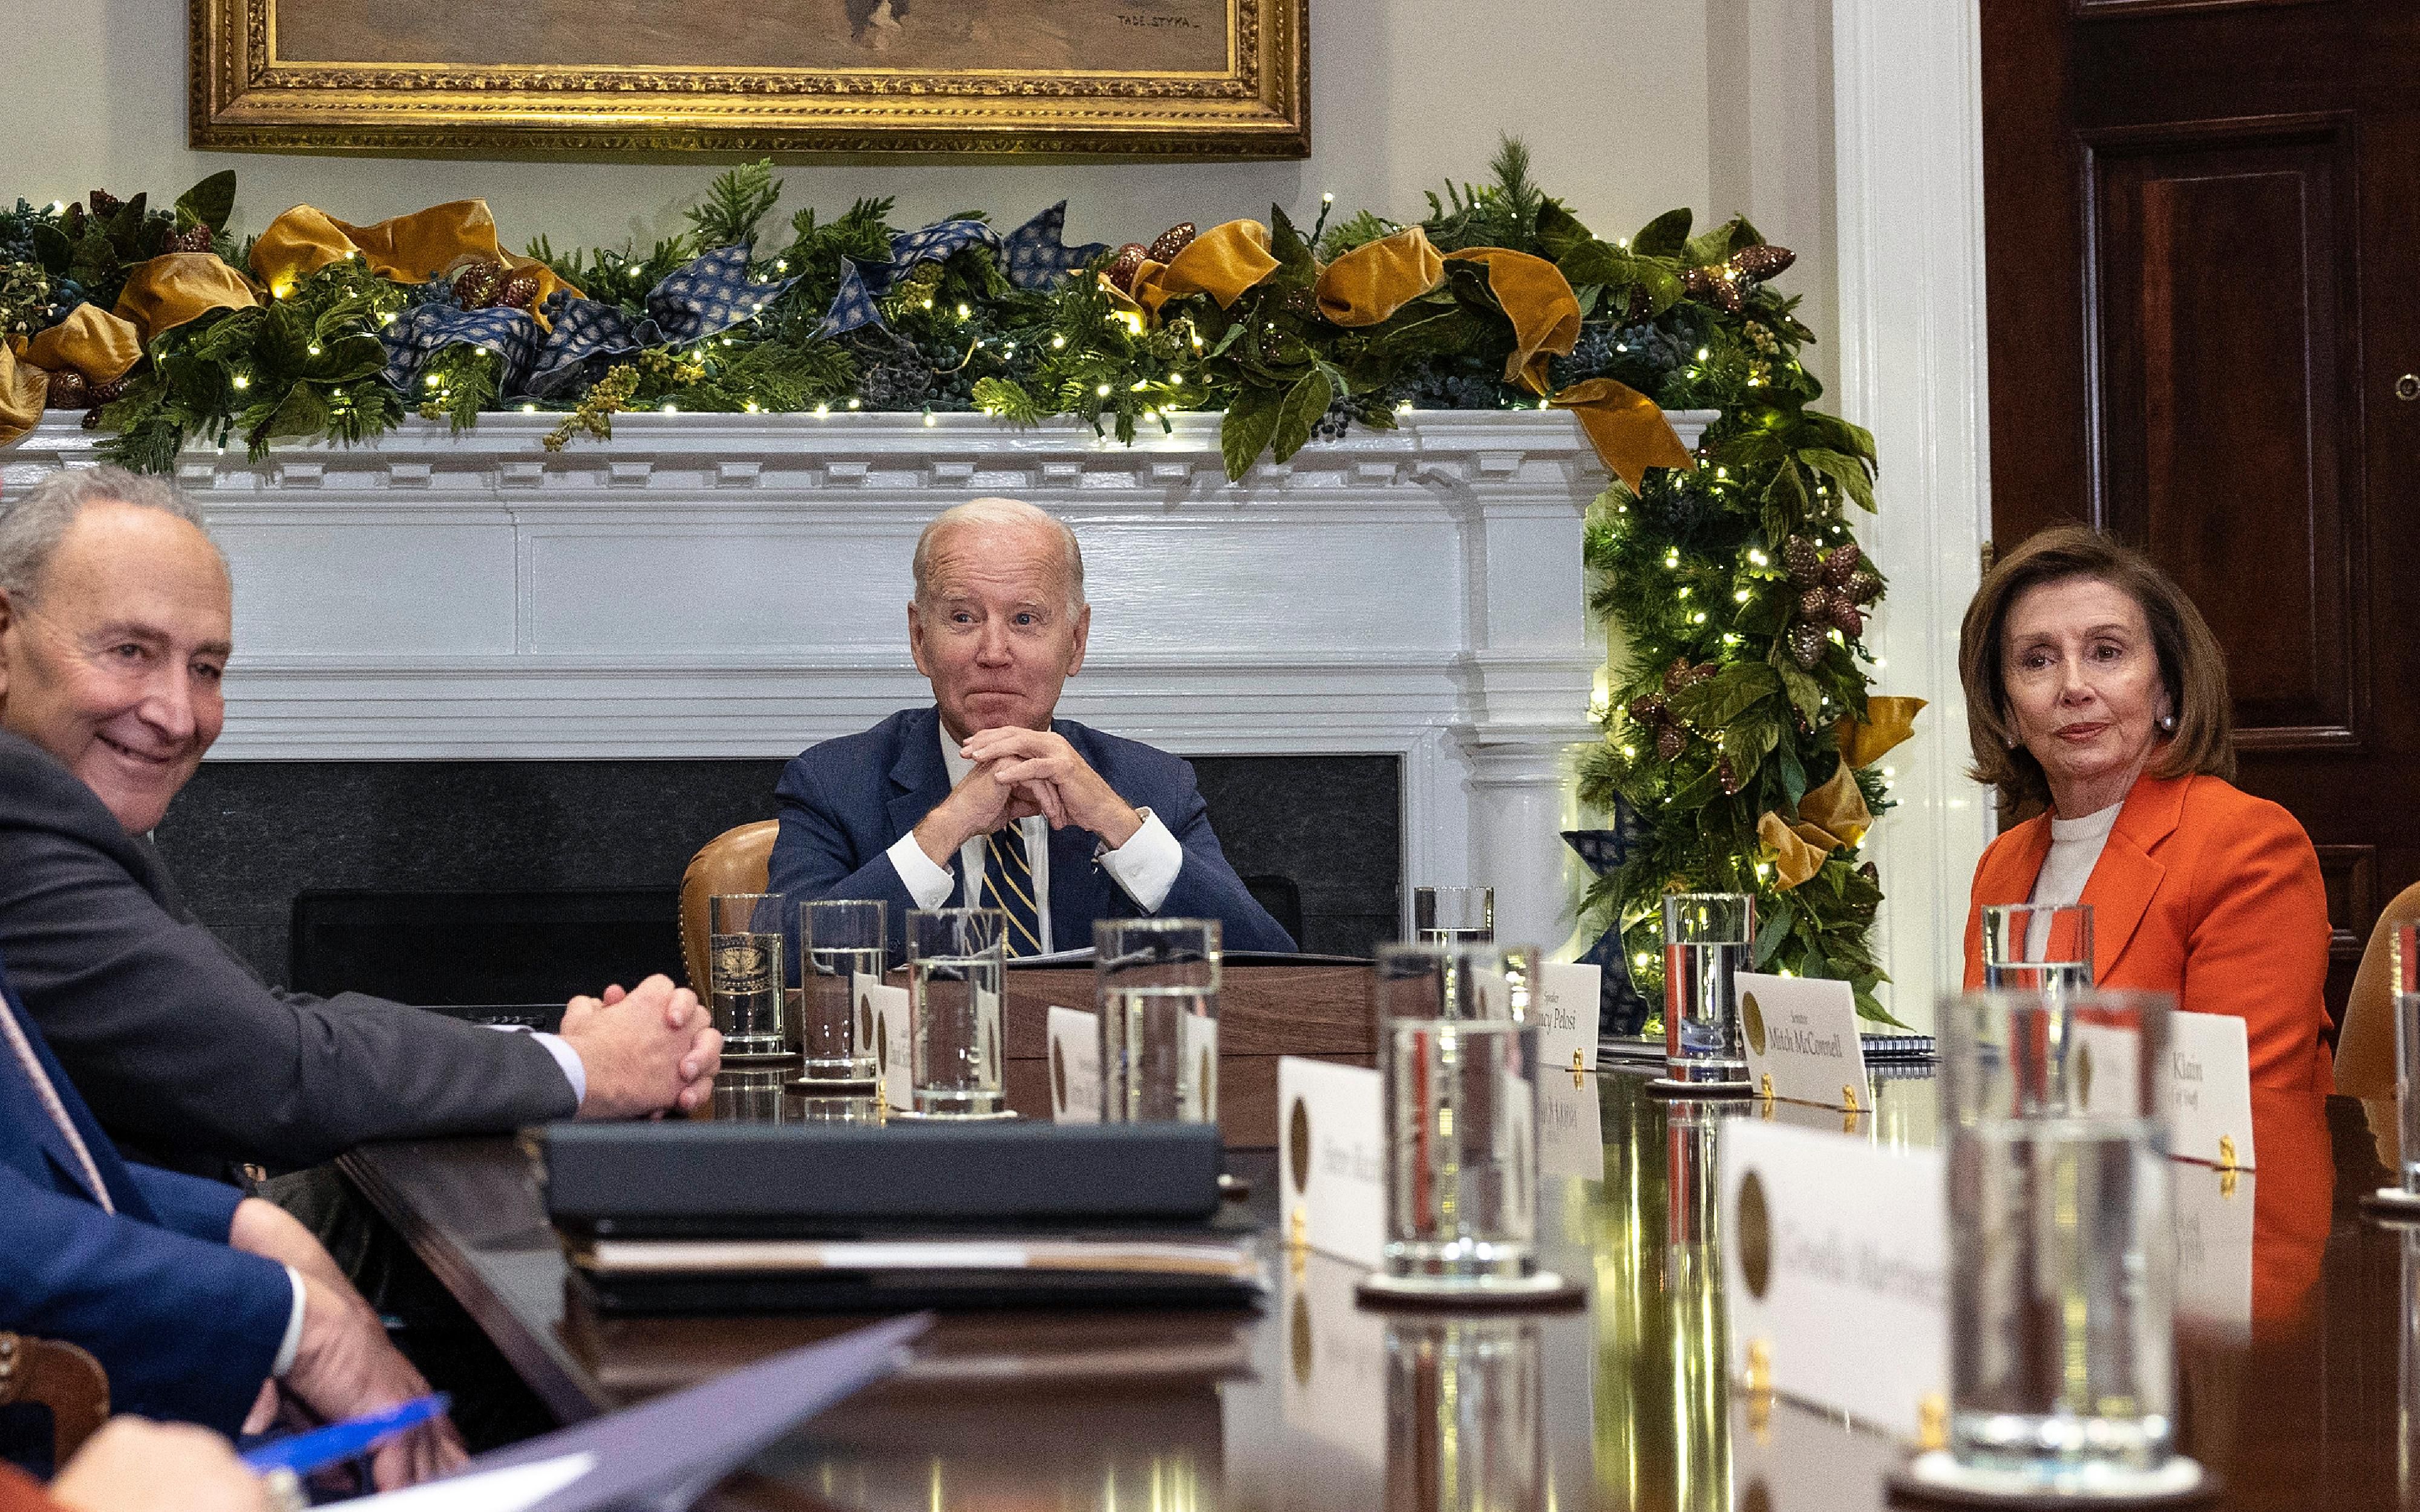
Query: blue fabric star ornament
(1621, 1009)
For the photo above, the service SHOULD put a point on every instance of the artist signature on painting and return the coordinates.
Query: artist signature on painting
(1133, 20)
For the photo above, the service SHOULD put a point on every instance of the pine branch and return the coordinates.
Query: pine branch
(734, 206)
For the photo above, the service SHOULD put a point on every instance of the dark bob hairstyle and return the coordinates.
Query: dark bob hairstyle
(2190, 665)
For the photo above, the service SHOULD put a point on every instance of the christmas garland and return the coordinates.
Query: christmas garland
(1741, 740)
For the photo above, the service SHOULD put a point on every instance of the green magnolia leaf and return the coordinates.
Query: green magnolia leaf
(208, 203)
(1663, 237)
(1661, 285)
(1559, 231)
(1793, 775)
(1818, 429)
(303, 412)
(1695, 793)
(1775, 929)
(1747, 741)
(52, 248)
(1294, 260)
(1244, 435)
(1847, 474)
(1598, 262)
(284, 342)
(1303, 404)
(1787, 492)
(1706, 250)
(345, 359)
(95, 257)
(1806, 693)
(1721, 699)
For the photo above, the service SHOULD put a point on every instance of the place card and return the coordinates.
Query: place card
(1332, 1151)
(1074, 1066)
(1571, 1126)
(2210, 1091)
(1563, 1006)
(1835, 1260)
(2213, 1216)
(1802, 1033)
(889, 1006)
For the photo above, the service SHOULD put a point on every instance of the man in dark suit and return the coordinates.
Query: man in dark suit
(189, 1293)
(116, 624)
(986, 799)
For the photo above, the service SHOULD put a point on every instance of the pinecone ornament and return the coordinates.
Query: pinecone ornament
(193, 239)
(1760, 263)
(518, 290)
(1126, 264)
(477, 282)
(1717, 285)
(1806, 645)
(104, 204)
(1165, 246)
(1301, 303)
(1799, 557)
(98, 395)
(68, 390)
(1728, 778)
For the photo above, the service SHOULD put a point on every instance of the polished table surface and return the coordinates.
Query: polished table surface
(1312, 1403)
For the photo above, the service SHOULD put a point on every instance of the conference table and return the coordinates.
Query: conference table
(2298, 1399)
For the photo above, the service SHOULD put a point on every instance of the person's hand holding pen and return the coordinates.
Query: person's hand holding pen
(345, 1367)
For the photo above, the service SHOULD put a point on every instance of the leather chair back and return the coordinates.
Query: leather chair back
(2365, 1046)
(61, 1377)
(736, 860)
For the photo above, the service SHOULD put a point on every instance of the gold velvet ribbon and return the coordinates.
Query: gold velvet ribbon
(1222, 262)
(1627, 430)
(169, 290)
(409, 249)
(1888, 721)
(1829, 817)
(1538, 302)
(1378, 278)
(91, 342)
(23, 390)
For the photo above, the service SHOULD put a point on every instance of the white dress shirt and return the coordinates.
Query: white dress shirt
(1144, 867)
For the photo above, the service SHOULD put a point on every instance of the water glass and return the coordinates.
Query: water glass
(749, 1095)
(1465, 1405)
(2061, 1244)
(744, 947)
(1451, 915)
(840, 948)
(1155, 982)
(2403, 958)
(954, 960)
(2038, 947)
(1708, 938)
(1460, 1104)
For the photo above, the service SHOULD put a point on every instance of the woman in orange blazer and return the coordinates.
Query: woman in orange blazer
(2093, 686)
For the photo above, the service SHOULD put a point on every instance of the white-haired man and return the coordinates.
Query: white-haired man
(985, 800)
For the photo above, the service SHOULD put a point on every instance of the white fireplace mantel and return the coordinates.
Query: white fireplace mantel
(735, 585)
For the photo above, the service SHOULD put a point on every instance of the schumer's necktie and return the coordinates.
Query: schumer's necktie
(1008, 876)
(15, 1034)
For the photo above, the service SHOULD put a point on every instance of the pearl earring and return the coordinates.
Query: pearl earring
(2169, 723)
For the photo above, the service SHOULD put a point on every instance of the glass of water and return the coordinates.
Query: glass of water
(1156, 982)
(840, 946)
(1459, 1098)
(1707, 940)
(954, 961)
(2404, 965)
(2061, 1250)
(2038, 947)
(1449, 915)
(744, 949)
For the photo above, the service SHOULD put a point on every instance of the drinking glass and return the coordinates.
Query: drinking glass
(1461, 1104)
(2038, 947)
(954, 960)
(2062, 1257)
(749, 1095)
(744, 945)
(2404, 967)
(1465, 1400)
(1451, 915)
(840, 946)
(1155, 982)
(1707, 940)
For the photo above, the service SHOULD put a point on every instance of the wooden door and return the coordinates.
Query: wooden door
(2202, 220)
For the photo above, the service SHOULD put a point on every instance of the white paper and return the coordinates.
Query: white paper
(509, 1489)
(889, 1006)
(2213, 1216)
(2209, 1087)
(1803, 1033)
(1074, 1066)
(1850, 1298)
(2105, 1070)
(1199, 1034)
(1331, 1148)
(1571, 1126)
(1563, 1006)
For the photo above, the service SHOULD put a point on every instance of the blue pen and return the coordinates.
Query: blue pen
(306, 1452)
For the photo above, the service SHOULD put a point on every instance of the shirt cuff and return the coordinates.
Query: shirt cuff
(574, 1069)
(294, 1340)
(1146, 865)
(930, 886)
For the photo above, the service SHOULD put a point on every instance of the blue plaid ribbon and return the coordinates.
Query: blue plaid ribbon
(709, 295)
(1032, 254)
(427, 328)
(582, 329)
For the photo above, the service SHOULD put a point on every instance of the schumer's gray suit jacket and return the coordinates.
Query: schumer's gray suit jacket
(179, 1049)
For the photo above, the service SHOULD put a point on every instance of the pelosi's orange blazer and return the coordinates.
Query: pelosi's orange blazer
(2204, 891)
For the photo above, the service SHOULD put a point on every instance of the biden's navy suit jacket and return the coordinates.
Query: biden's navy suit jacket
(186, 1327)
(846, 802)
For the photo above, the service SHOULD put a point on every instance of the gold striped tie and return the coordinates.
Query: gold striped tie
(1008, 877)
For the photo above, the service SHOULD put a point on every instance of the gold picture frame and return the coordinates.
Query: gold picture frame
(1148, 78)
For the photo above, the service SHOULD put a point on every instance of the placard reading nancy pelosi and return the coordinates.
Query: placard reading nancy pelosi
(1331, 1157)
(1803, 1033)
(1836, 1259)
(1565, 1008)
(2210, 1088)
(1074, 1066)
(889, 1006)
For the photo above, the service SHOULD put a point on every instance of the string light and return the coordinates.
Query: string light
(1057, 341)
(855, 403)
(1742, 596)
(1642, 958)
(241, 381)
(1102, 391)
(1758, 558)
(1629, 752)
(529, 410)
(823, 409)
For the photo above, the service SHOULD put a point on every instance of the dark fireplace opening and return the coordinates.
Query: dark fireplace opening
(486, 884)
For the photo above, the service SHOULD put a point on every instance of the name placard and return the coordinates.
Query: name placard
(1074, 1066)
(1835, 1255)
(1563, 1006)
(2209, 1089)
(1803, 1033)
(2213, 1210)
(889, 1006)
(1570, 1125)
(1332, 1152)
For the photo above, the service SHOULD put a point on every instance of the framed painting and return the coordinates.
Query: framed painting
(1157, 78)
